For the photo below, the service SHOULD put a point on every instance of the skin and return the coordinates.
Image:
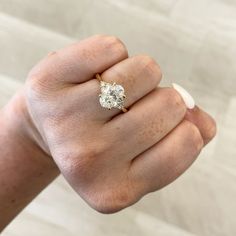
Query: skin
(55, 125)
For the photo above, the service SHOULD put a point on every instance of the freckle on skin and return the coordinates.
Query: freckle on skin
(132, 81)
(13, 201)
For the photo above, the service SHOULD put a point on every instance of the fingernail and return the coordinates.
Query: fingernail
(188, 99)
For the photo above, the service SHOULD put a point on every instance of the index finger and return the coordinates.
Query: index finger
(80, 61)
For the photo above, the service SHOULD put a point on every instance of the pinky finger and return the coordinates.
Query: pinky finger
(168, 159)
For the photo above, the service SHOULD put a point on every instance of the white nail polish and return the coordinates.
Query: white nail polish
(188, 99)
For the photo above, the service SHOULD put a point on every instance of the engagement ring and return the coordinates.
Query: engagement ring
(112, 95)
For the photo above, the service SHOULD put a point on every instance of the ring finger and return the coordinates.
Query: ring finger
(138, 75)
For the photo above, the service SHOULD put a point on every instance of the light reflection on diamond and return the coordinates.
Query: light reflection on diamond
(112, 95)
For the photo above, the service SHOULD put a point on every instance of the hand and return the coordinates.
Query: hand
(110, 158)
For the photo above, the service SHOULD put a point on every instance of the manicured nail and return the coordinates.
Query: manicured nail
(188, 99)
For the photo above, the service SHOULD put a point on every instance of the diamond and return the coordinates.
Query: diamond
(112, 95)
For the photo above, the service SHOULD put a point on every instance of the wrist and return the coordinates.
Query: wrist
(16, 117)
(25, 168)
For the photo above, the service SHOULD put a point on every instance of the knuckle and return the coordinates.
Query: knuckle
(84, 156)
(87, 153)
(150, 65)
(173, 99)
(91, 155)
(113, 42)
(37, 86)
(74, 161)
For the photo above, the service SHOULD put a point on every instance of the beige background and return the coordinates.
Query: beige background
(195, 44)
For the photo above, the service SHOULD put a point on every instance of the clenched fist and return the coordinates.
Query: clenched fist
(112, 158)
